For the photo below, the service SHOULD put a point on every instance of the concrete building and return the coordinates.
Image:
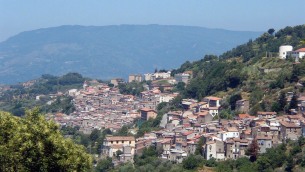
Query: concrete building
(135, 78)
(242, 106)
(114, 143)
(148, 113)
(283, 51)
(182, 77)
(116, 81)
(297, 54)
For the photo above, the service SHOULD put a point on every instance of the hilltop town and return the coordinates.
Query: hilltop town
(197, 123)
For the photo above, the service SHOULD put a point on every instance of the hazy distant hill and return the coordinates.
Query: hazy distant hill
(109, 51)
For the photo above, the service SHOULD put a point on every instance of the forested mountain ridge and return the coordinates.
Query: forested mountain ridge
(109, 51)
(241, 71)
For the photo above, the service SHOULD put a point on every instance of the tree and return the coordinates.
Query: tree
(293, 102)
(104, 165)
(233, 100)
(201, 142)
(253, 150)
(282, 101)
(34, 144)
(271, 31)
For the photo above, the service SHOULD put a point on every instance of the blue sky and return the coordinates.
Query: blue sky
(252, 15)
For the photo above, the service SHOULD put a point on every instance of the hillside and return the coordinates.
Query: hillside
(244, 71)
(109, 51)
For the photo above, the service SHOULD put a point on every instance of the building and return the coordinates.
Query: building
(112, 144)
(290, 131)
(116, 81)
(213, 101)
(146, 114)
(297, 54)
(264, 143)
(284, 50)
(135, 78)
(231, 132)
(214, 149)
(182, 77)
(242, 106)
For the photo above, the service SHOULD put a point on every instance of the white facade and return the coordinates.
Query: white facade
(229, 134)
(284, 49)
(298, 54)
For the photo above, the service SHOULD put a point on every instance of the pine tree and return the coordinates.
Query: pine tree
(294, 102)
(282, 101)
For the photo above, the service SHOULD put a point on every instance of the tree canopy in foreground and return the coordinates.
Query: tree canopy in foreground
(34, 144)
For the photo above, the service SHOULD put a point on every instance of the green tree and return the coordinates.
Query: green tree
(293, 102)
(271, 31)
(34, 144)
(282, 101)
(199, 150)
(104, 165)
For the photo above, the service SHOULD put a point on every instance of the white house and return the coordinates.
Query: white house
(231, 132)
(298, 54)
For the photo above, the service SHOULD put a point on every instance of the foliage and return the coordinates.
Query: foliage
(134, 88)
(34, 144)
(233, 99)
(104, 165)
(253, 150)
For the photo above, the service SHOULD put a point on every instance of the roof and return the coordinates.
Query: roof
(213, 98)
(289, 125)
(232, 129)
(202, 113)
(300, 50)
(242, 116)
(120, 138)
(266, 113)
(147, 110)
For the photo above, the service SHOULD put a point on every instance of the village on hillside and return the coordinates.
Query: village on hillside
(100, 106)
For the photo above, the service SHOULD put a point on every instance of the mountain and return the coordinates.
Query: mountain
(109, 51)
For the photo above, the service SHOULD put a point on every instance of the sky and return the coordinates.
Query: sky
(244, 15)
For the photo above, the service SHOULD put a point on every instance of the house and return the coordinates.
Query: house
(236, 148)
(204, 117)
(266, 115)
(231, 132)
(127, 155)
(146, 114)
(212, 101)
(290, 131)
(182, 77)
(297, 54)
(112, 144)
(177, 156)
(116, 81)
(264, 143)
(242, 106)
(135, 78)
(214, 149)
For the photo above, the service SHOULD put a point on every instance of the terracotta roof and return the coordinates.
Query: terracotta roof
(213, 98)
(289, 125)
(202, 113)
(232, 129)
(243, 116)
(300, 50)
(147, 110)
